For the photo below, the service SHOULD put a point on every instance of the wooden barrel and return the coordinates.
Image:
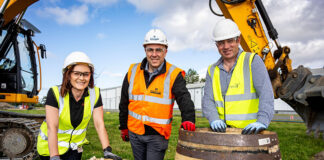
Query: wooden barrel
(208, 145)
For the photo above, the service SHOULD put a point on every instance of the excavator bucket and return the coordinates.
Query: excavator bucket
(304, 92)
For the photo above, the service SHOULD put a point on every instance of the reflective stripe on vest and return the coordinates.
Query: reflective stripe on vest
(151, 105)
(164, 100)
(74, 146)
(241, 115)
(68, 137)
(150, 119)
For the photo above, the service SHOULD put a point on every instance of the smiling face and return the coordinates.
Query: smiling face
(229, 48)
(155, 54)
(80, 76)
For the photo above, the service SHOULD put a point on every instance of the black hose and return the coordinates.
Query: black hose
(232, 1)
(211, 8)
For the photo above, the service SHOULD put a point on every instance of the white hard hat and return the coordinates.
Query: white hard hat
(75, 58)
(155, 36)
(225, 29)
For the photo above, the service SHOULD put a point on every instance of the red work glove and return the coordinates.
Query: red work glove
(124, 135)
(187, 125)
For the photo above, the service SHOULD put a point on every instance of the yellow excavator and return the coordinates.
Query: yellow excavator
(19, 76)
(299, 88)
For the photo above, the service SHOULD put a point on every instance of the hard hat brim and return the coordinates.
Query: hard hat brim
(227, 37)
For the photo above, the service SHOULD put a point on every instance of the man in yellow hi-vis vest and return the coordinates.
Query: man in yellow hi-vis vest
(147, 97)
(238, 91)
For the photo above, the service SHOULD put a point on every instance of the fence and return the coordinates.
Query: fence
(111, 98)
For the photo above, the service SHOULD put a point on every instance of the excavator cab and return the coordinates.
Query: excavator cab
(18, 67)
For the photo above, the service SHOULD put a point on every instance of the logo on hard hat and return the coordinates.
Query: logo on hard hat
(154, 38)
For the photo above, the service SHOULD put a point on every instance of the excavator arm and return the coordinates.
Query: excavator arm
(302, 90)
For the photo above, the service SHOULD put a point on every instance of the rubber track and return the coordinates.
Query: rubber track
(32, 128)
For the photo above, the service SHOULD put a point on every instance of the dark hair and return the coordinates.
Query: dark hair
(66, 84)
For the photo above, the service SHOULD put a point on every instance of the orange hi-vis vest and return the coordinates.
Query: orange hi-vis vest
(152, 105)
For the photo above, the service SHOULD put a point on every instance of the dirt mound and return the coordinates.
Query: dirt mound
(4, 105)
(319, 156)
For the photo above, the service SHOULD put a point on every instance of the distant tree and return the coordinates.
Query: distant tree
(42, 102)
(203, 80)
(192, 76)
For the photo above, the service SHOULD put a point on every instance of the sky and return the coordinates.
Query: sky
(111, 33)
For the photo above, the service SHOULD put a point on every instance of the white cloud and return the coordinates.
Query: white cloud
(297, 20)
(101, 36)
(188, 25)
(99, 3)
(308, 54)
(76, 15)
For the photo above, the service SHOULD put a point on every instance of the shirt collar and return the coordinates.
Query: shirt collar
(144, 62)
(85, 94)
(156, 71)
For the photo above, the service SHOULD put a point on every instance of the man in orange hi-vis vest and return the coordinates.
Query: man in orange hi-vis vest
(146, 105)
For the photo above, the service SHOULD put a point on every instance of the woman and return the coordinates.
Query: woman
(68, 111)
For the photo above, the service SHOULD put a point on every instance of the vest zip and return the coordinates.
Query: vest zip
(224, 110)
(71, 137)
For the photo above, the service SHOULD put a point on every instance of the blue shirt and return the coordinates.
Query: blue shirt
(155, 72)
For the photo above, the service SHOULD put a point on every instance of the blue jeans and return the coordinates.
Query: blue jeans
(148, 147)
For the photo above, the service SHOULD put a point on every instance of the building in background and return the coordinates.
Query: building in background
(111, 96)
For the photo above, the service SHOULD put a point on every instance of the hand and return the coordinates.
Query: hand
(107, 154)
(218, 126)
(255, 128)
(187, 125)
(55, 158)
(124, 135)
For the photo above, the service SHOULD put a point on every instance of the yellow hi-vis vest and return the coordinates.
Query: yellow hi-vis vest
(152, 106)
(68, 137)
(239, 107)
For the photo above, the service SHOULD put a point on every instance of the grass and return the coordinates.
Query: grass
(294, 143)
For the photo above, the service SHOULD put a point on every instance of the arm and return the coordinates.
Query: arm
(100, 126)
(183, 99)
(208, 104)
(123, 105)
(52, 120)
(262, 84)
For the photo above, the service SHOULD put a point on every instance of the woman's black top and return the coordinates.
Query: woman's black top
(76, 107)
